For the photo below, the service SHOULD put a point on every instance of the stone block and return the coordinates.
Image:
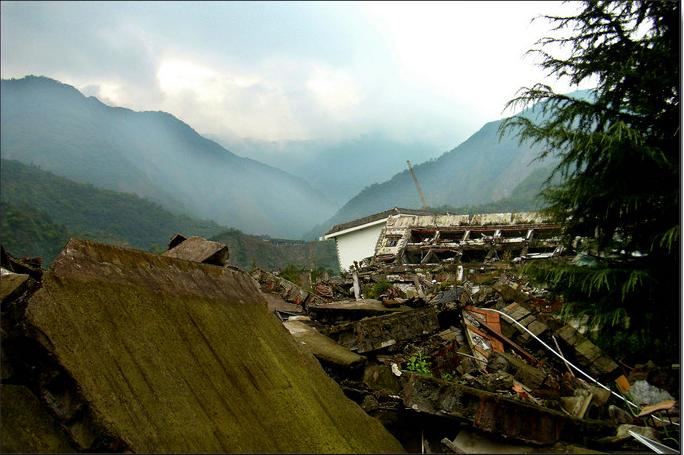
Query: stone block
(587, 352)
(516, 311)
(569, 335)
(537, 327)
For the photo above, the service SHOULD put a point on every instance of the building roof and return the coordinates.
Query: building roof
(358, 223)
(176, 356)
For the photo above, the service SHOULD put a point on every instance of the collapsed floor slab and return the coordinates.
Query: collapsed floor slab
(169, 355)
(491, 413)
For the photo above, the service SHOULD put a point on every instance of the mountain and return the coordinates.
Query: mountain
(481, 170)
(524, 197)
(39, 211)
(152, 154)
(87, 212)
(337, 169)
(26, 231)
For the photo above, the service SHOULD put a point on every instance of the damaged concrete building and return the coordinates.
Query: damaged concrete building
(355, 240)
(437, 238)
(406, 236)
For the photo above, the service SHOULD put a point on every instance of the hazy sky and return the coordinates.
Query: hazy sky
(286, 71)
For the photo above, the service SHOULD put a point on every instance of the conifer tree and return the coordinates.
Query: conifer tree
(619, 152)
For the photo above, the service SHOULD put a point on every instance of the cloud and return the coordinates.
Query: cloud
(275, 71)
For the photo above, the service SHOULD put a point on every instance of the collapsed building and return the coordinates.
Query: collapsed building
(433, 345)
(433, 239)
(404, 236)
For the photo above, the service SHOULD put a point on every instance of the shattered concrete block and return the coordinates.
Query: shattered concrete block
(379, 332)
(198, 249)
(605, 365)
(619, 416)
(576, 405)
(530, 376)
(587, 351)
(276, 303)
(495, 382)
(588, 355)
(381, 378)
(510, 294)
(622, 435)
(516, 311)
(170, 355)
(323, 347)
(527, 320)
(568, 334)
(537, 327)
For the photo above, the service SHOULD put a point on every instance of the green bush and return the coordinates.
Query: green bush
(379, 288)
(418, 363)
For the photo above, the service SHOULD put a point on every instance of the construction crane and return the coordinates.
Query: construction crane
(415, 180)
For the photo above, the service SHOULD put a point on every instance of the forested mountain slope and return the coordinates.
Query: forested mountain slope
(152, 154)
(483, 169)
(39, 211)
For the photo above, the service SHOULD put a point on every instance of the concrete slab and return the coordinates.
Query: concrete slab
(176, 356)
(321, 346)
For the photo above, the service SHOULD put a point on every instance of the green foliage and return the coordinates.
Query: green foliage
(91, 213)
(448, 376)
(377, 289)
(250, 251)
(291, 273)
(619, 167)
(29, 232)
(420, 364)
(44, 210)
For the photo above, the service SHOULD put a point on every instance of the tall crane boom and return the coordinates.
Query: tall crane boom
(415, 180)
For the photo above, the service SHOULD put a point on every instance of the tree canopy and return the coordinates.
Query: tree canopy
(619, 152)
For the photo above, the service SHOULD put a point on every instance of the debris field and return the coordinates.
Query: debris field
(418, 349)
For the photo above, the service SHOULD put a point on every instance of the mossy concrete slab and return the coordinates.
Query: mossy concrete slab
(176, 356)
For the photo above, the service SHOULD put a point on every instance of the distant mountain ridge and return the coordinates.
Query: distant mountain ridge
(152, 154)
(39, 211)
(85, 212)
(339, 169)
(477, 173)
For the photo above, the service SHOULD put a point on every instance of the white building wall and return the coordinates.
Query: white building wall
(357, 245)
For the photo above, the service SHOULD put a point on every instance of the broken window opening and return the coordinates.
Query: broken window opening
(422, 235)
(452, 236)
(473, 256)
(392, 240)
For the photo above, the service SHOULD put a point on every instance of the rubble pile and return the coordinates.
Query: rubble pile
(448, 354)
(115, 349)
